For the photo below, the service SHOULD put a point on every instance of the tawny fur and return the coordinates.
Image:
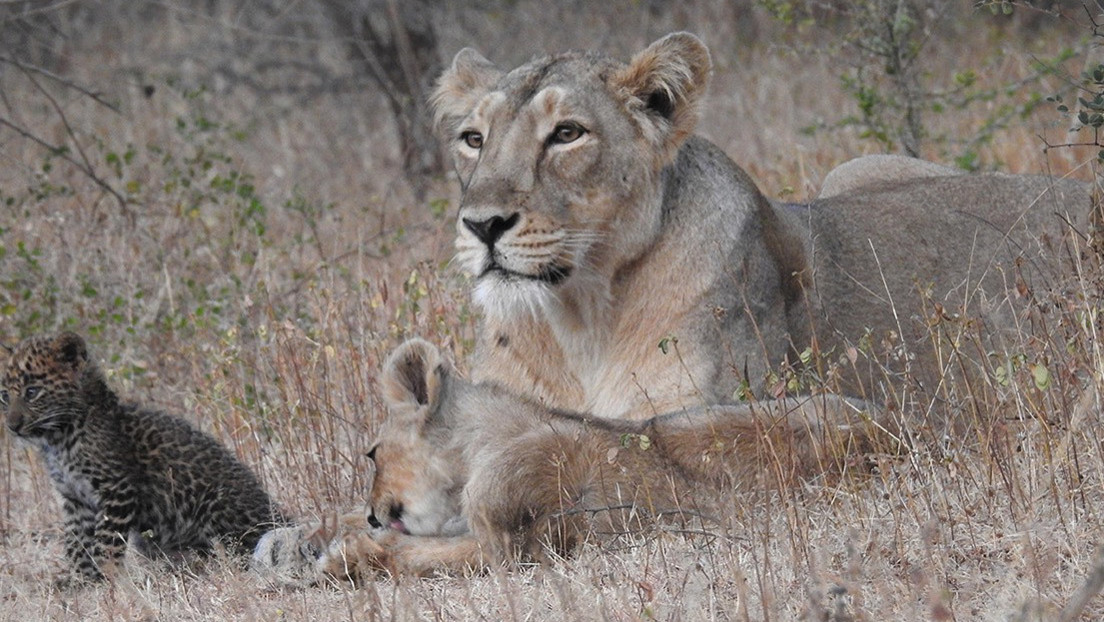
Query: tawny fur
(860, 174)
(634, 232)
(470, 476)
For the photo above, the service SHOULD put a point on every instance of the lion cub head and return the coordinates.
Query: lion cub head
(418, 476)
(439, 428)
(560, 164)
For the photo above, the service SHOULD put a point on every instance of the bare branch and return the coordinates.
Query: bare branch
(324, 81)
(63, 154)
(37, 10)
(69, 131)
(60, 80)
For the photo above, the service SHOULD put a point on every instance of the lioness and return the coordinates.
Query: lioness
(470, 475)
(598, 229)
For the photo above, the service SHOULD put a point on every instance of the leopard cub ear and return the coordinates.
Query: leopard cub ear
(70, 349)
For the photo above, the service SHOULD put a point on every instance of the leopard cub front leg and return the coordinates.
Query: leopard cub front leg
(80, 547)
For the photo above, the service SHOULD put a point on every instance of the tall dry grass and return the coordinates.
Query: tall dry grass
(269, 257)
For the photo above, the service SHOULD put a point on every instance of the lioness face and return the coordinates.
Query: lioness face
(560, 164)
(417, 480)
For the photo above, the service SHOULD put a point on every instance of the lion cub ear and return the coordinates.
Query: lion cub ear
(460, 87)
(663, 85)
(413, 376)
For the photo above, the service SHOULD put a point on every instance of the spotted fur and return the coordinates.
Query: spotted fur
(125, 473)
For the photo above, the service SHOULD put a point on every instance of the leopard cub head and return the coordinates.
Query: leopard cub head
(40, 390)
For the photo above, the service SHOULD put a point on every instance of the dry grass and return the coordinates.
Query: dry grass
(271, 337)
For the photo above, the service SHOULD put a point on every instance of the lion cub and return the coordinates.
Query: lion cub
(123, 472)
(470, 476)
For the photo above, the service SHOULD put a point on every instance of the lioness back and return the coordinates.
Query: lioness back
(877, 169)
(977, 245)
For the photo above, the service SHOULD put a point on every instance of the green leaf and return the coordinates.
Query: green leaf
(1041, 375)
(743, 392)
(1001, 375)
(439, 207)
(629, 439)
(667, 342)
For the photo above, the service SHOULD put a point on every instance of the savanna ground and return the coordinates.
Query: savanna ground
(267, 253)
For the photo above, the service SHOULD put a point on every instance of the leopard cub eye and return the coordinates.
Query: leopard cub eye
(3, 397)
(31, 393)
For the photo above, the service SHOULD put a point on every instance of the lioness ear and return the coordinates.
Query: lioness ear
(460, 87)
(413, 375)
(663, 85)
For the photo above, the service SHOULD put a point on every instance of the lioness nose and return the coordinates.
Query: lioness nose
(490, 230)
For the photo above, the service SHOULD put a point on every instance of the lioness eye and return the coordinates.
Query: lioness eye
(4, 397)
(566, 133)
(472, 139)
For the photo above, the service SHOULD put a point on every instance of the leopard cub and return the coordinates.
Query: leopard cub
(126, 473)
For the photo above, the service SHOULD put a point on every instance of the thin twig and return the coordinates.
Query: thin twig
(61, 152)
(69, 131)
(1049, 146)
(41, 9)
(60, 80)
